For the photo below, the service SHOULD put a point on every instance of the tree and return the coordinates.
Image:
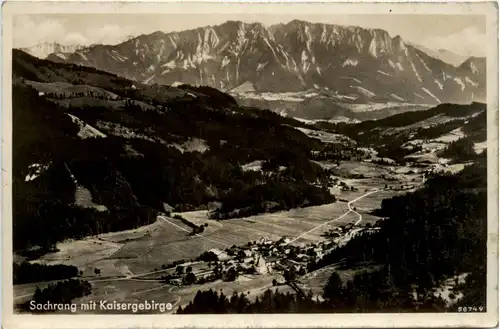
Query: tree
(290, 274)
(189, 269)
(333, 287)
(275, 283)
(190, 278)
(179, 270)
(97, 271)
(231, 274)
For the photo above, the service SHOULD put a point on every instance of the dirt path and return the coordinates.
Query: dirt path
(340, 217)
(198, 235)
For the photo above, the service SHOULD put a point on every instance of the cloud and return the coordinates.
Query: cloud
(31, 30)
(467, 42)
(28, 30)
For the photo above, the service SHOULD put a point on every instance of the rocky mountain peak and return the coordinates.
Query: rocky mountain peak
(358, 63)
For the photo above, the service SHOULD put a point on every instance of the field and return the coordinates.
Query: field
(315, 281)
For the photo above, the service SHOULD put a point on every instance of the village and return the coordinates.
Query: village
(279, 258)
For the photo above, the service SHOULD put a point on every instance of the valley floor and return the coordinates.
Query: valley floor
(133, 262)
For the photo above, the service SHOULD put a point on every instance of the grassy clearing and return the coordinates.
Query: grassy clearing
(79, 252)
(315, 281)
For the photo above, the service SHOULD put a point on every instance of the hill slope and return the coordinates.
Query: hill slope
(95, 153)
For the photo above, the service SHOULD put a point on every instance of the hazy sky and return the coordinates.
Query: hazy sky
(462, 34)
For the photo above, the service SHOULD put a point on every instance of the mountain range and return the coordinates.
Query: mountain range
(43, 50)
(346, 63)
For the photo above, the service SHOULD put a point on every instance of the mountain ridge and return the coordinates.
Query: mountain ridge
(44, 49)
(367, 65)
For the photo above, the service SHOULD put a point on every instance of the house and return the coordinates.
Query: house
(221, 255)
(176, 281)
(271, 260)
(265, 240)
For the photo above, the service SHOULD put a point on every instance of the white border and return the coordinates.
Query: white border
(446, 320)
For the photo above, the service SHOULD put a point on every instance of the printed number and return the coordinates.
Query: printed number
(470, 309)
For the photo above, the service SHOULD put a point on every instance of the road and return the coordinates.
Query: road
(340, 217)
(198, 235)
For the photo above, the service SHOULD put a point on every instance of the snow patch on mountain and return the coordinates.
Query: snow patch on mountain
(303, 59)
(350, 62)
(170, 65)
(468, 80)
(459, 82)
(260, 66)
(399, 66)
(417, 75)
(364, 91)
(148, 80)
(225, 61)
(418, 95)
(398, 98)
(392, 64)
(423, 63)
(431, 94)
(439, 84)
(82, 55)
(373, 48)
(356, 80)
(61, 56)
(382, 72)
(473, 68)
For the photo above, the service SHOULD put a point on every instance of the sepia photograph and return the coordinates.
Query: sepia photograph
(238, 160)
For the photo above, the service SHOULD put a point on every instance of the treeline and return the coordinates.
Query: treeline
(26, 272)
(366, 292)
(63, 292)
(90, 93)
(212, 302)
(244, 201)
(462, 149)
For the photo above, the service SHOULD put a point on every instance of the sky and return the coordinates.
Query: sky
(462, 34)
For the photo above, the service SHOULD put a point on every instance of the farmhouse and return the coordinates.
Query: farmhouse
(221, 255)
(265, 240)
(271, 260)
(176, 281)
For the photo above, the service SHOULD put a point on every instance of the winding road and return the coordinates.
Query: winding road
(198, 235)
(340, 217)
